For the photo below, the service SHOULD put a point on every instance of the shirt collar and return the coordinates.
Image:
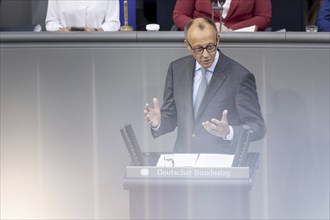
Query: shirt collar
(211, 68)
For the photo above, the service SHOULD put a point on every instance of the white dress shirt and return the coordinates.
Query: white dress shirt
(83, 13)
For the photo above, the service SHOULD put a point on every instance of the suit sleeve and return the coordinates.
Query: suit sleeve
(168, 109)
(183, 12)
(248, 107)
(111, 21)
(53, 22)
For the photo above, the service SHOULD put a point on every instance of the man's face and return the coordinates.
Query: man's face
(198, 39)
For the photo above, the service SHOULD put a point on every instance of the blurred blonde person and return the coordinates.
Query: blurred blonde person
(83, 15)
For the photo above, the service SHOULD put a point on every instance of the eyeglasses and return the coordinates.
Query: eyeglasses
(199, 50)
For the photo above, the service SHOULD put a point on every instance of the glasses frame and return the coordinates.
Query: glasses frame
(207, 48)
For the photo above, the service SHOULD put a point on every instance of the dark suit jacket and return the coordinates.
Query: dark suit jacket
(242, 13)
(231, 87)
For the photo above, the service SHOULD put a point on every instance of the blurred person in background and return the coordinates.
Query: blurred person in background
(236, 13)
(83, 15)
(323, 20)
(146, 13)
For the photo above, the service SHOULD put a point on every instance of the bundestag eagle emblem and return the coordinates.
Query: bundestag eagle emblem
(144, 172)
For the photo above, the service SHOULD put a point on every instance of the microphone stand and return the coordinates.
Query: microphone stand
(220, 8)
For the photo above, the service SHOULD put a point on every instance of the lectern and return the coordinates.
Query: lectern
(188, 192)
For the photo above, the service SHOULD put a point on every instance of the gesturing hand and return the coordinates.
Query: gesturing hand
(152, 115)
(216, 127)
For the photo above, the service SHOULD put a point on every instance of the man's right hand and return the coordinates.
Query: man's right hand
(152, 115)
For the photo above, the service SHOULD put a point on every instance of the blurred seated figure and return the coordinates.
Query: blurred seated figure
(323, 20)
(146, 12)
(83, 15)
(236, 14)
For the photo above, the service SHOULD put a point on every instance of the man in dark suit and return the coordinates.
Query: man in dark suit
(230, 99)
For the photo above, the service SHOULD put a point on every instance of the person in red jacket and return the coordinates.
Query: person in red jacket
(237, 14)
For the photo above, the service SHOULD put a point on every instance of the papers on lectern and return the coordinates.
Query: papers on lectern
(177, 160)
(215, 160)
(195, 160)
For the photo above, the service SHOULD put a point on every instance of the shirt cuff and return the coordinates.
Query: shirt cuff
(230, 136)
(155, 128)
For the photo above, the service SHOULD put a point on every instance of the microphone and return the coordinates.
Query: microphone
(222, 2)
(213, 8)
(220, 8)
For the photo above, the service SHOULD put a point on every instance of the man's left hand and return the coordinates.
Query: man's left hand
(216, 127)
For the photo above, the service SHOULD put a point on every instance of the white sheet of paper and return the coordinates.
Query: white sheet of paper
(214, 160)
(177, 160)
(195, 160)
(246, 29)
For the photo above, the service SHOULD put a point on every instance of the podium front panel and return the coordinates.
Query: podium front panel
(188, 198)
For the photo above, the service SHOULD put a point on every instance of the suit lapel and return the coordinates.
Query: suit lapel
(187, 88)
